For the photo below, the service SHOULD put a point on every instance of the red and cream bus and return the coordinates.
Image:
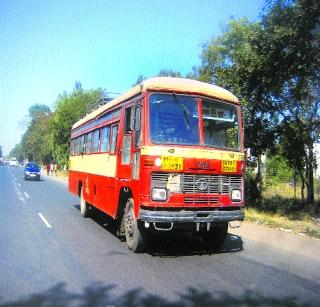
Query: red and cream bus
(166, 155)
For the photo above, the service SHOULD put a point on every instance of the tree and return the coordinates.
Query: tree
(69, 109)
(34, 145)
(169, 73)
(140, 79)
(289, 45)
(231, 62)
(273, 67)
(17, 152)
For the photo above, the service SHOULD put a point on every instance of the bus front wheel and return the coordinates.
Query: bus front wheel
(84, 207)
(136, 236)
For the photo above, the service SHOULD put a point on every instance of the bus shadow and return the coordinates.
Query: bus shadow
(101, 219)
(187, 244)
(171, 244)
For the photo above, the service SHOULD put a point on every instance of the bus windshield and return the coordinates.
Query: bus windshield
(220, 124)
(174, 119)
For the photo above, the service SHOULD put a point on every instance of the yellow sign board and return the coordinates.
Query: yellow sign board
(229, 166)
(171, 163)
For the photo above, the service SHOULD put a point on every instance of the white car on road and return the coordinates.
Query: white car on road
(13, 162)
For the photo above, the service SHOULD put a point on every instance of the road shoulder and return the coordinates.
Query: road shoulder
(275, 238)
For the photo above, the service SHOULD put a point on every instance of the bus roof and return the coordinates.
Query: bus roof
(167, 84)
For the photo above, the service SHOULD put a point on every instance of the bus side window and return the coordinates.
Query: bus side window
(77, 150)
(137, 126)
(95, 140)
(129, 120)
(72, 147)
(82, 145)
(105, 139)
(114, 134)
(89, 142)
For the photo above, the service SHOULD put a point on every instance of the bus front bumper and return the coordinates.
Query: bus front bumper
(185, 216)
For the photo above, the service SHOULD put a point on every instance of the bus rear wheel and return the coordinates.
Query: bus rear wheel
(216, 236)
(136, 236)
(84, 207)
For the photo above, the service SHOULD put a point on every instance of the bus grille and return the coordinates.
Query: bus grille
(189, 183)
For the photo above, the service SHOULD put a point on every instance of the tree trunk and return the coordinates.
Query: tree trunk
(302, 185)
(295, 185)
(309, 176)
(259, 177)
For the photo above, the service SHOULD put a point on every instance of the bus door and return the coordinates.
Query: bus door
(129, 154)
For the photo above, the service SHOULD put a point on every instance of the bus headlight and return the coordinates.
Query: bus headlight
(157, 162)
(236, 195)
(159, 194)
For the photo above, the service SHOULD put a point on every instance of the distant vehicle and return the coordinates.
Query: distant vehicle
(32, 171)
(13, 162)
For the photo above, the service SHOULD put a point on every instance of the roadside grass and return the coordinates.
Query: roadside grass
(299, 223)
(281, 208)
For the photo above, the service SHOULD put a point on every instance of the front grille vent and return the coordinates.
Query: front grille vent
(198, 183)
(200, 200)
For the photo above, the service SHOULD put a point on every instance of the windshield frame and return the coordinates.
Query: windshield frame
(181, 102)
(238, 120)
(199, 102)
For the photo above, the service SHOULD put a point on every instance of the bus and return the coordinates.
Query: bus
(165, 156)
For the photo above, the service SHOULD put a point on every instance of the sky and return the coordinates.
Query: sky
(47, 45)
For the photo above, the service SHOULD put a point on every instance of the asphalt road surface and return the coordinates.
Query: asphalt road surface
(51, 256)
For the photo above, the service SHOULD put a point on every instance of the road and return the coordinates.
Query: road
(50, 255)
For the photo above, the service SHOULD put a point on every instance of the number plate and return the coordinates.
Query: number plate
(229, 166)
(172, 163)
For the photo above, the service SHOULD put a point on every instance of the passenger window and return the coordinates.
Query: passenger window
(89, 143)
(105, 139)
(114, 135)
(129, 120)
(95, 140)
(137, 126)
(77, 146)
(72, 147)
(82, 144)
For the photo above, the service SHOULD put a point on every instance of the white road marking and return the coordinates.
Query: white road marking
(26, 194)
(44, 220)
(19, 185)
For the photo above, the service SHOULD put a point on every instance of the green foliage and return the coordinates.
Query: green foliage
(273, 67)
(252, 193)
(140, 78)
(169, 73)
(69, 109)
(278, 169)
(17, 152)
(34, 145)
(231, 61)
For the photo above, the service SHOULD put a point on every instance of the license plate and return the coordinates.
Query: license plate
(172, 163)
(32, 175)
(229, 166)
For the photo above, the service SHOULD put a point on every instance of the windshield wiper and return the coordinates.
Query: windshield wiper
(182, 108)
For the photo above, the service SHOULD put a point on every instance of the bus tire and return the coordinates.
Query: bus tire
(216, 236)
(136, 236)
(121, 227)
(84, 207)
